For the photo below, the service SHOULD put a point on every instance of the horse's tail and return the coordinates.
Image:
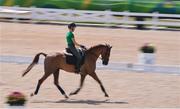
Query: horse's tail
(34, 62)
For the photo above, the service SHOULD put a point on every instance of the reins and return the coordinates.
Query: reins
(96, 55)
(93, 54)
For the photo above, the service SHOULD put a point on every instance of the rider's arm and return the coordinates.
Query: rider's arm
(75, 43)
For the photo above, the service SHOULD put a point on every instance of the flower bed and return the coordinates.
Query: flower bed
(147, 54)
(16, 99)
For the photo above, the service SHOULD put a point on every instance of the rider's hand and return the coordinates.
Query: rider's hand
(82, 46)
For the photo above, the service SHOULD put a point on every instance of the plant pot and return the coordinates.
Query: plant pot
(145, 61)
(147, 58)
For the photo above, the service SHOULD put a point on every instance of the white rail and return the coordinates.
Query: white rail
(170, 69)
(86, 16)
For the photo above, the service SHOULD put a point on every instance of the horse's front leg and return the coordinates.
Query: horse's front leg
(83, 76)
(94, 76)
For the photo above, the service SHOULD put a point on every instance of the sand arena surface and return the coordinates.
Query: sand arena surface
(126, 89)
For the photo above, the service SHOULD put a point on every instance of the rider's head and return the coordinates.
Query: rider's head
(72, 27)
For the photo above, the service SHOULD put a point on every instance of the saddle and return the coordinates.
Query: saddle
(71, 59)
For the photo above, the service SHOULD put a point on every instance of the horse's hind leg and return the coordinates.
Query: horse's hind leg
(93, 75)
(56, 82)
(80, 86)
(40, 82)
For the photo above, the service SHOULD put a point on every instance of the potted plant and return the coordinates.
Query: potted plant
(16, 99)
(147, 54)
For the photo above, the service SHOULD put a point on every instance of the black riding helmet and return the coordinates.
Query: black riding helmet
(71, 25)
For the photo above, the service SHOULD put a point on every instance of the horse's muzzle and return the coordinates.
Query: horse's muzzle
(105, 62)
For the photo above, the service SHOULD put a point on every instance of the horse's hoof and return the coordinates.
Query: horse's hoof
(106, 95)
(71, 94)
(66, 96)
(32, 94)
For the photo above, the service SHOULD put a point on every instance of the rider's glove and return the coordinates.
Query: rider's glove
(82, 46)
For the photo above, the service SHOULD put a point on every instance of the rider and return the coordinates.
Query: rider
(71, 42)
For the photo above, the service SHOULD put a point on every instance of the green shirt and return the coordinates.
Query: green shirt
(69, 37)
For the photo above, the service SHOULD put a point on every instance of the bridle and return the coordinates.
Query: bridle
(96, 55)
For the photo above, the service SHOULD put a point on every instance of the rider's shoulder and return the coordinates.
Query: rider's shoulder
(69, 33)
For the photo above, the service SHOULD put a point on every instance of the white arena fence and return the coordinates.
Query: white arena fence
(44, 14)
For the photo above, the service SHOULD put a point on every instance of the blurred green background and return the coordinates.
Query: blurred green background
(144, 6)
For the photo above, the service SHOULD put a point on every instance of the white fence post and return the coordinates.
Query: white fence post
(125, 18)
(33, 14)
(108, 18)
(155, 20)
(15, 19)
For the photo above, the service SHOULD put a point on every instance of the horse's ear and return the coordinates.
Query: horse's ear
(107, 45)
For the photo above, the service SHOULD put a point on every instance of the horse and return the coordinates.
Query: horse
(54, 62)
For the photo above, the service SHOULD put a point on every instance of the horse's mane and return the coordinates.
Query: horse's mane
(95, 47)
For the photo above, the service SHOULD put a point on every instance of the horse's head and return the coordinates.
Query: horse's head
(101, 49)
(105, 54)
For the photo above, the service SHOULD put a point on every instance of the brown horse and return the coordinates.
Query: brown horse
(53, 63)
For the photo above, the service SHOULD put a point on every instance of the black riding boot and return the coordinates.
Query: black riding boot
(77, 67)
(77, 70)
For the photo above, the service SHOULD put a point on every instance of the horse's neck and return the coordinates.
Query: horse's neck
(95, 53)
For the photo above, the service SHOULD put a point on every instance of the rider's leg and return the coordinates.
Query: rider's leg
(78, 56)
